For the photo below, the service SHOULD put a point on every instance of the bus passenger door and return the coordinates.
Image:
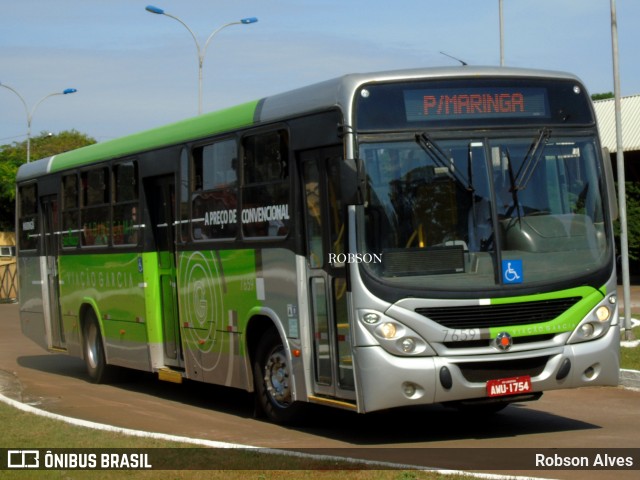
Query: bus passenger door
(160, 197)
(51, 300)
(326, 282)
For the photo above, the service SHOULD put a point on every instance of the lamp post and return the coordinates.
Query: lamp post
(30, 113)
(622, 195)
(201, 50)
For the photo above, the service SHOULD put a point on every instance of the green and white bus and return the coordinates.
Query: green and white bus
(378, 240)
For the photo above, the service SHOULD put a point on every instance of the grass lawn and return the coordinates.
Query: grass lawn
(630, 351)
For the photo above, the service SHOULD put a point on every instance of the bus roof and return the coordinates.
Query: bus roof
(336, 92)
(339, 91)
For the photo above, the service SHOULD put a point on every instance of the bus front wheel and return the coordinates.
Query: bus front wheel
(93, 350)
(272, 379)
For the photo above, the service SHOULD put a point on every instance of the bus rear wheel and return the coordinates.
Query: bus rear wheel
(272, 380)
(93, 349)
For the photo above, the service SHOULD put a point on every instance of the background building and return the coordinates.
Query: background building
(605, 113)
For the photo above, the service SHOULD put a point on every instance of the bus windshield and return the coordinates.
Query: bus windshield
(483, 210)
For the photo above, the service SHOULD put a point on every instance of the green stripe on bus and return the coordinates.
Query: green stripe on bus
(128, 297)
(212, 285)
(176, 133)
(566, 322)
(114, 281)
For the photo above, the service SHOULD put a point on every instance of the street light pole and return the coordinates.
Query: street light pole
(622, 194)
(202, 51)
(30, 113)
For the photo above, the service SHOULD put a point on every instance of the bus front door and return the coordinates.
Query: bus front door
(326, 282)
(160, 196)
(51, 303)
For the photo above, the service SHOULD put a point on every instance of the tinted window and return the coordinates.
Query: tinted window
(215, 196)
(265, 209)
(28, 220)
(126, 224)
(70, 211)
(95, 214)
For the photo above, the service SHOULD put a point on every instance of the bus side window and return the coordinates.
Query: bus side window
(28, 217)
(336, 207)
(184, 192)
(95, 212)
(126, 223)
(265, 209)
(70, 211)
(313, 214)
(215, 196)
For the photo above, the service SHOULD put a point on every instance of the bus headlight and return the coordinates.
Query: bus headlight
(387, 330)
(603, 313)
(395, 337)
(595, 325)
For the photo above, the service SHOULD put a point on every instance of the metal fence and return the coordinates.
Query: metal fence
(8, 283)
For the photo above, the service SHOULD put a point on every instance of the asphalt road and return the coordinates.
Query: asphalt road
(594, 418)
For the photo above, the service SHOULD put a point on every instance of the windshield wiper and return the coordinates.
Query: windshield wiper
(531, 160)
(442, 159)
(513, 189)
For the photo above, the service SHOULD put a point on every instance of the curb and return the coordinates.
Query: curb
(630, 379)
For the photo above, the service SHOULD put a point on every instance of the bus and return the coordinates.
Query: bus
(403, 238)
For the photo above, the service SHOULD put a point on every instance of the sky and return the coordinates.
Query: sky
(134, 70)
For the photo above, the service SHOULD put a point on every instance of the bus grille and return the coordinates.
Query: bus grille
(483, 371)
(504, 315)
(486, 342)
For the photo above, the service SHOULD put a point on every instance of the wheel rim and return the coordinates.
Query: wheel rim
(276, 378)
(92, 345)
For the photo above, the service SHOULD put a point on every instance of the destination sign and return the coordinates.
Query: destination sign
(465, 103)
(472, 101)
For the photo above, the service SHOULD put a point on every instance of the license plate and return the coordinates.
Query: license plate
(509, 386)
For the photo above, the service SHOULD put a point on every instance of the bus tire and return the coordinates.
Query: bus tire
(272, 377)
(93, 350)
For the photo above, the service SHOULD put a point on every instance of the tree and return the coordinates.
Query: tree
(15, 154)
(633, 220)
(601, 96)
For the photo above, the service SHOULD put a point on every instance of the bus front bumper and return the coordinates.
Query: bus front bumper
(388, 381)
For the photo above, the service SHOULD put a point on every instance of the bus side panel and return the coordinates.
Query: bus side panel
(151, 311)
(32, 315)
(278, 268)
(214, 286)
(114, 284)
(219, 293)
(126, 344)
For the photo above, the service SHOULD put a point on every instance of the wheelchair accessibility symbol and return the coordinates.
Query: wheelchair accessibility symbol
(512, 271)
